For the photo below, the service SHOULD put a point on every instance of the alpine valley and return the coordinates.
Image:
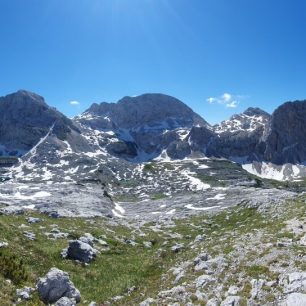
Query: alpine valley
(143, 202)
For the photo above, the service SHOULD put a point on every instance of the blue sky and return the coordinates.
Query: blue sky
(218, 56)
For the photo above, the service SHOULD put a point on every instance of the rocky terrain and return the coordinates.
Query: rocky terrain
(142, 202)
(250, 254)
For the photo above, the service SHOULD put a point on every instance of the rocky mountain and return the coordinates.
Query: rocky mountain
(239, 138)
(151, 220)
(249, 121)
(51, 145)
(144, 112)
(285, 139)
(25, 118)
(143, 126)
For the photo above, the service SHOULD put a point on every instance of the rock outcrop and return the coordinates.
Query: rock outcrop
(285, 140)
(25, 118)
(144, 125)
(55, 285)
(80, 250)
(142, 128)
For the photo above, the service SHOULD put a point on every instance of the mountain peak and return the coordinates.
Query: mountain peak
(255, 111)
(24, 96)
(148, 109)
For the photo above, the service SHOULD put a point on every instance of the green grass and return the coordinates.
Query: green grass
(210, 179)
(158, 196)
(113, 271)
(150, 167)
(123, 266)
(257, 271)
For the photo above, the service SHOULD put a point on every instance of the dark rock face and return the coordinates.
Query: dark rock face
(124, 149)
(285, 139)
(148, 110)
(144, 125)
(239, 137)
(25, 118)
(141, 128)
(199, 138)
(178, 149)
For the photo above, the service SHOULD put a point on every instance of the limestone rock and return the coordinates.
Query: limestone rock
(55, 285)
(231, 301)
(64, 301)
(79, 250)
(295, 299)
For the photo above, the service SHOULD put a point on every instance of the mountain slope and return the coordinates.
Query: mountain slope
(144, 125)
(285, 140)
(239, 138)
(25, 118)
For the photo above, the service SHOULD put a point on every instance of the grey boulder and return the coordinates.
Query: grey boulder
(55, 285)
(295, 299)
(64, 301)
(79, 250)
(231, 301)
(24, 293)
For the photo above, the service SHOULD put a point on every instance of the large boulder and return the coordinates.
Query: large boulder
(79, 250)
(295, 299)
(55, 285)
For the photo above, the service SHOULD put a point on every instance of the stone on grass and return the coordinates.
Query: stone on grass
(147, 244)
(199, 238)
(79, 250)
(11, 210)
(295, 299)
(256, 287)
(64, 301)
(233, 290)
(87, 238)
(231, 301)
(213, 302)
(3, 244)
(55, 285)
(202, 265)
(177, 247)
(24, 293)
(33, 220)
(202, 280)
(201, 257)
(57, 235)
(147, 302)
(29, 235)
(296, 282)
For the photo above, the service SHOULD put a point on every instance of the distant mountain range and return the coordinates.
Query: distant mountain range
(143, 128)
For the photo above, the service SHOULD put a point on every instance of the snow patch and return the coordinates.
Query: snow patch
(219, 196)
(190, 206)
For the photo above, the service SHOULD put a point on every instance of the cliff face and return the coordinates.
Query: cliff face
(25, 118)
(145, 127)
(285, 139)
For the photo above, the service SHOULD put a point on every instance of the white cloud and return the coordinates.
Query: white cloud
(211, 100)
(226, 99)
(232, 104)
(74, 102)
